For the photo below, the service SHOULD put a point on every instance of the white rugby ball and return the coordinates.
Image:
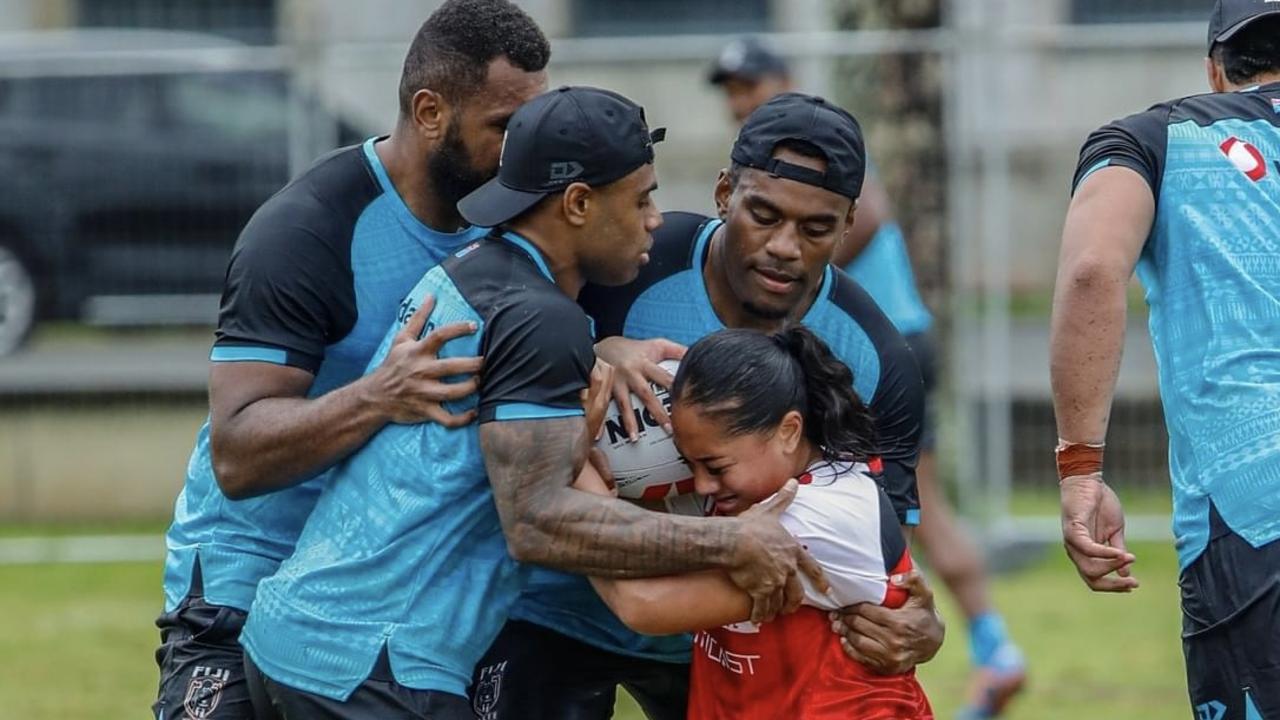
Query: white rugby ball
(649, 469)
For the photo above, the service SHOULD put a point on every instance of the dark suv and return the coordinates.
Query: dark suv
(122, 191)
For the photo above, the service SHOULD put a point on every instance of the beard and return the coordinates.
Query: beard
(764, 312)
(453, 175)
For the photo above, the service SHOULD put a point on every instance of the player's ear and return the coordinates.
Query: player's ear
(431, 114)
(849, 216)
(724, 188)
(790, 431)
(1217, 75)
(575, 204)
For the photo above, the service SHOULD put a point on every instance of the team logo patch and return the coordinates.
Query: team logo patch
(1247, 158)
(1275, 105)
(1212, 710)
(484, 701)
(566, 170)
(205, 691)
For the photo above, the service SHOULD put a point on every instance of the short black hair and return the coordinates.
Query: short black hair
(803, 148)
(1253, 51)
(453, 48)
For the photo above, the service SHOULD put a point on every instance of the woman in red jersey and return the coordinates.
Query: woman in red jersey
(751, 411)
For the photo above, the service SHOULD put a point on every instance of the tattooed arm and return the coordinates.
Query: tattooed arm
(532, 465)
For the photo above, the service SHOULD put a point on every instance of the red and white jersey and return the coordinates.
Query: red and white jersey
(793, 667)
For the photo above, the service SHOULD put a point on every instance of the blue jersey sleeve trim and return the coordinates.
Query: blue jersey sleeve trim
(249, 354)
(533, 411)
(913, 517)
(1105, 162)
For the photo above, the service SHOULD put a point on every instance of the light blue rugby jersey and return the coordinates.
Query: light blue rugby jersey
(314, 281)
(883, 269)
(404, 549)
(669, 300)
(1211, 270)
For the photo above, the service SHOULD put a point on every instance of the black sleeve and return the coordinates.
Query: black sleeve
(897, 407)
(289, 293)
(538, 356)
(1137, 142)
(898, 410)
(673, 243)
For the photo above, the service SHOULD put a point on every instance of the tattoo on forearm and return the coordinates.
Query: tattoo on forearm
(531, 466)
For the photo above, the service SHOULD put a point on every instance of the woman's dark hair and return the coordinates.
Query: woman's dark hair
(453, 48)
(1252, 52)
(748, 381)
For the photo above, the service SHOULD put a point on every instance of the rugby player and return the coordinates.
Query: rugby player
(874, 253)
(414, 553)
(1188, 192)
(315, 279)
(783, 205)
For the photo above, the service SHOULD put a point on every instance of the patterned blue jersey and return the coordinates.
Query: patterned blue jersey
(404, 549)
(669, 300)
(883, 269)
(315, 279)
(1211, 270)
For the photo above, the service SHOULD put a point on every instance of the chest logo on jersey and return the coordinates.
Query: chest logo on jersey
(1247, 158)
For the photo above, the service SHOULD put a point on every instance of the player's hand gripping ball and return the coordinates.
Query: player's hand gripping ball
(649, 470)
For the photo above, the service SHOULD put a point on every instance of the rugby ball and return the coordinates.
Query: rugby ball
(649, 470)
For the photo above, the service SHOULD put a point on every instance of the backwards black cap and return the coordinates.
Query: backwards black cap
(572, 134)
(796, 116)
(1231, 16)
(746, 58)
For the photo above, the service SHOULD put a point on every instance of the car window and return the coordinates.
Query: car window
(107, 101)
(237, 106)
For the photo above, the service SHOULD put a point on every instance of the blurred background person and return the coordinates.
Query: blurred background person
(874, 252)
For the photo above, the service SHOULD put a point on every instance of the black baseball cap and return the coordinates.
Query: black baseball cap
(747, 58)
(571, 134)
(796, 116)
(1231, 16)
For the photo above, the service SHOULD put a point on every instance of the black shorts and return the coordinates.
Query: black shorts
(925, 348)
(378, 698)
(201, 665)
(532, 673)
(1231, 626)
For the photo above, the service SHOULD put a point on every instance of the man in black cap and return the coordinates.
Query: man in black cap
(784, 202)
(749, 73)
(1188, 192)
(409, 563)
(873, 252)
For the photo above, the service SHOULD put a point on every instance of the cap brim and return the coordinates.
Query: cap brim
(1230, 32)
(493, 203)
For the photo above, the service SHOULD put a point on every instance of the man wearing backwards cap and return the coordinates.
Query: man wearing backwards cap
(402, 575)
(874, 253)
(1189, 193)
(797, 168)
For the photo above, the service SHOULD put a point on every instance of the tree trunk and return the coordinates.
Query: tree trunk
(898, 100)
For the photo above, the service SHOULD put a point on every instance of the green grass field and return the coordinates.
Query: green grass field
(76, 641)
